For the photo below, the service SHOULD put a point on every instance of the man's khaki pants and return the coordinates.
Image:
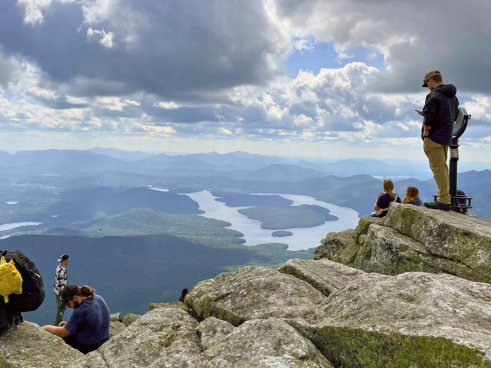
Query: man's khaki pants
(59, 312)
(437, 155)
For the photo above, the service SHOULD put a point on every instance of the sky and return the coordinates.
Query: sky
(316, 78)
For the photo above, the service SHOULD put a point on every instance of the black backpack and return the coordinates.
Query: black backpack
(33, 292)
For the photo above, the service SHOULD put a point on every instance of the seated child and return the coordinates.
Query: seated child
(384, 199)
(412, 197)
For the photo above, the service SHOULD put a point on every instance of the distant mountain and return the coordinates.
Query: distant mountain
(111, 201)
(5, 156)
(112, 178)
(306, 187)
(123, 155)
(144, 221)
(59, 162)
(190, 162)
(474, 181)
(316, 185)
(239, 160)
(359, 196)
(345, 168)
(481, 204)
(278, 172)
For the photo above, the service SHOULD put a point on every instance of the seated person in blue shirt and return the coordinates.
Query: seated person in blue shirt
(412, 197)
(384, 199)
(88, 327)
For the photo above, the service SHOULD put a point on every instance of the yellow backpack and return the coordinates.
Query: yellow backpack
(10, 279)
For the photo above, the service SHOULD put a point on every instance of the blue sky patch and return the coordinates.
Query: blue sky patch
(323, 55)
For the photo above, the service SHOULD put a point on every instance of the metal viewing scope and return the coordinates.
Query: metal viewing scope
(460, 203)
(460, 124)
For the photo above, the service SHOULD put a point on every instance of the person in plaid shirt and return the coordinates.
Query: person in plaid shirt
(61, 277)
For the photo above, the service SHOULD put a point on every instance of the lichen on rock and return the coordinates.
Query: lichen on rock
(326, 276)
(334, 244)
(415, 239)
(410, 320)
(28, 346)
(253, 293)
(161, 335)
(260, 343)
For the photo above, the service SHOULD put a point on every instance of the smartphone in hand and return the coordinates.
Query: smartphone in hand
(419, 112)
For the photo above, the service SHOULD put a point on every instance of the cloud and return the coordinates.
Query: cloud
(115, 103)
(6, 69)
(106, 39)
(34, 10)
(414, 37)
(160, 48)
(480, 108)
(166, 105)
(215, 69)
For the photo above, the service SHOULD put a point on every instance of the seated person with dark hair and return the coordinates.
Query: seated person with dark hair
(88, 327)
(384, 199)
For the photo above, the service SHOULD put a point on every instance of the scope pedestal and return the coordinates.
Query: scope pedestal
(459, 203)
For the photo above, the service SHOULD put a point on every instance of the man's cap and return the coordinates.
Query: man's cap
(63, 257)
(68, 292)
(428, 75)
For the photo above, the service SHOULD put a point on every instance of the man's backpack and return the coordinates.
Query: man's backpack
(33, 292)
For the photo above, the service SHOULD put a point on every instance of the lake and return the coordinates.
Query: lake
(5, 227)
(302, 238)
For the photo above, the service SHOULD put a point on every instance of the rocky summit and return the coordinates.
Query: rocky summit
(413, 239)
(407, 291)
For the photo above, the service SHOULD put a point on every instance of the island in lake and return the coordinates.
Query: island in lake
(281, 233)
(232, 199)
(276, 218)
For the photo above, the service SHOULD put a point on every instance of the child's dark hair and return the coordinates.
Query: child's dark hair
(184, 292)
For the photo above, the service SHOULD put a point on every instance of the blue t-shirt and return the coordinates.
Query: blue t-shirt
(384, 202)
(90, 321)
(418, 202)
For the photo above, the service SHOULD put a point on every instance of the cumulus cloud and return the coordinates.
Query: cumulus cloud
(106, 38)
(155, 67)
(34, 10)
(6, 69)
(167, 105)
(480, 108)
(161, 48)
(414, 36)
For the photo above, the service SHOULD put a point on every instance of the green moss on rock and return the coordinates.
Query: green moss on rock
(361, 348)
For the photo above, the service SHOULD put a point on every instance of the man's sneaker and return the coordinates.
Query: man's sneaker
(437, 206)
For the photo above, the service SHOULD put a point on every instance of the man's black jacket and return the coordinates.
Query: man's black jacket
(440, 111)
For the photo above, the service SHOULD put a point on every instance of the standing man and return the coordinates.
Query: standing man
(61, 278)
(440, 111)
(88, 327)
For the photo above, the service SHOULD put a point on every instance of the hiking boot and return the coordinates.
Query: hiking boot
(437, 206)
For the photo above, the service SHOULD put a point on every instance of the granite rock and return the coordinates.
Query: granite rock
(259, 343)
(164, 337)
(253, 293)
(411, 320)
(324, 275)
(28, 346)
